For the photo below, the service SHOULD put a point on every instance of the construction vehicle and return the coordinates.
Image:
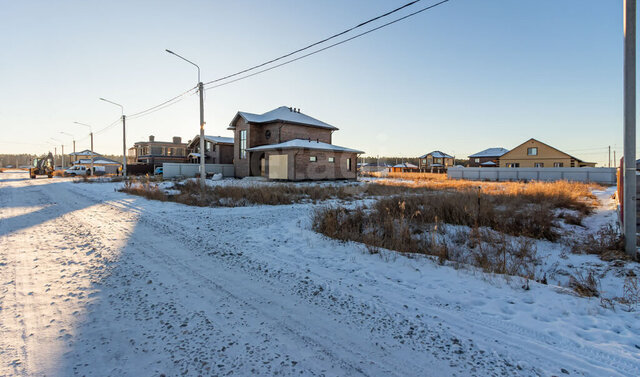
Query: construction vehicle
(42, 166)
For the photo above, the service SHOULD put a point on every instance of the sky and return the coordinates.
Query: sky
(462, 77)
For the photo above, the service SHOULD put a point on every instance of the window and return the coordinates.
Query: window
(533, 151)
(348, 164)
(424, 161)
(332, 159)
(243, 144)
(538, 165)
(313, 158)
(558, 164)
(513, 164)
(477, 160)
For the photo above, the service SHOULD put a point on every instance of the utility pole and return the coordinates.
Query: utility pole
(124, 147)
(90, 134)
(609, 155)
(203, 173)
(124, 139)
(629, 196)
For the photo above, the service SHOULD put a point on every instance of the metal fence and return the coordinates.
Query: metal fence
(173, 170)
(599, 175)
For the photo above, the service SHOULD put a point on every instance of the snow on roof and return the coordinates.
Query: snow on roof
(85, 152)
(218, 139)
(306, 144)
(283, 114)
(436, 154)
(406, 165)
(490, 152)
(193, 154)
(97, 160)
(488, 163)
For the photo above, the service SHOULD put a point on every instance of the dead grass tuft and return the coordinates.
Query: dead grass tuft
(607, 243)
(585, 285)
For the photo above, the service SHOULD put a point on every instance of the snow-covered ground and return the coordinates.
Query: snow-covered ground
(99, 283)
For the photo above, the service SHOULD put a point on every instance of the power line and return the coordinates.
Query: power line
(167, 103)
(315, 43)
(324, 48)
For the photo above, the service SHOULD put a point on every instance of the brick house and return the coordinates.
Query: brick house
(486, 158)
(536, 154)
(218, 150)
(287, 144)
(156, 152)
(435, 161)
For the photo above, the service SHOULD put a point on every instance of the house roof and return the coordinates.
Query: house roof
(437, 154)
(303, 144)
(490, 152)
(575, 158)
(213, 139)
(488, 163)
(97, 161)
(406, 165)
(85, 152)
(281, 114)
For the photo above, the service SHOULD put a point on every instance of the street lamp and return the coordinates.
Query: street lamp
(203, 173)
(90, 134)
(62, 145)
(124, 137)
(73, 138)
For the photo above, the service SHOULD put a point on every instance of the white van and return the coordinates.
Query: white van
(77, 170)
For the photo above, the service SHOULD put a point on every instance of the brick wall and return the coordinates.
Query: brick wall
(302, 168)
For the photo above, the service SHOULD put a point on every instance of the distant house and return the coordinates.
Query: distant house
(435, 161)
(100, 163)
(486, 158)
(536, 154)
(404, 167)
(83, 154)
(157, 152)
(371, 167)
(218, 150)
(287, 144)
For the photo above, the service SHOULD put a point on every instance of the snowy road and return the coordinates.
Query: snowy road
(98, 283)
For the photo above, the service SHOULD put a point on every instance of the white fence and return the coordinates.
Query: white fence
(172, 170)
(599, 175)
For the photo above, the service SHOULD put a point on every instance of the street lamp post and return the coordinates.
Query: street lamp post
(203, 174)
(90, 134)
(74, 142)
(124, 137)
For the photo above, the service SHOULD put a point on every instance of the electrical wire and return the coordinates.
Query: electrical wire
(324, 48)
(315, 43)
(166, 103)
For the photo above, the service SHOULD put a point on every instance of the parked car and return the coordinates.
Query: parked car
(77, 170)
(157, 171)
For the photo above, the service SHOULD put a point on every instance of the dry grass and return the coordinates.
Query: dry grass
(58, 173)
(585, 285)
(409, 176)
(607, 243)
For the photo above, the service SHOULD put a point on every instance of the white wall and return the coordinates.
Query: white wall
(599, 175)
(172, 170)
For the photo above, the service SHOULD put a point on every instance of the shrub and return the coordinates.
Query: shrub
(584, 286)
(607, 243)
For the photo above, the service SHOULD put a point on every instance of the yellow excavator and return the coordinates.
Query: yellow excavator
(42, 166)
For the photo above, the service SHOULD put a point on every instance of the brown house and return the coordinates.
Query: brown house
(435, 161)
(218, 150)
(156, 152)
(287, 144)
(536, 154)
(488, 158)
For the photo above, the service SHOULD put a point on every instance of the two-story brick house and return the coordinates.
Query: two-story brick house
(435, 161)
(287, 144)
(218, 150)
(157, 152)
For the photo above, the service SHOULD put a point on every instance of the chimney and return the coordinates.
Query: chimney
(177, 140)
(290, 109)
(152, 138)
